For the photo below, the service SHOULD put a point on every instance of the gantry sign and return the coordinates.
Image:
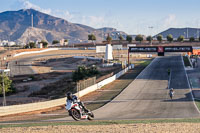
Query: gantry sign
(160, 49)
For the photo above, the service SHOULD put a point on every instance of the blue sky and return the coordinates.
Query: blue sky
(131, 16)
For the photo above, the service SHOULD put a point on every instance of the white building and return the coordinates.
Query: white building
(11, 43)
(63, 43)
(39, 45)
(4, 43)
(7, 43)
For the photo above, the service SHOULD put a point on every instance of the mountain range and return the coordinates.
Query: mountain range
(186, 32)
(17, 26)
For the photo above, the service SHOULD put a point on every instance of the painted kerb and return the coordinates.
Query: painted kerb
(15, 109)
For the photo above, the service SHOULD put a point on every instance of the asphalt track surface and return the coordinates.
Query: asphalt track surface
(147, 96)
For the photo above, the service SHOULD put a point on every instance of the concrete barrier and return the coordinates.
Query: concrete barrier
(16, 109)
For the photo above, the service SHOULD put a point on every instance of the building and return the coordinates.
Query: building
(63, 42)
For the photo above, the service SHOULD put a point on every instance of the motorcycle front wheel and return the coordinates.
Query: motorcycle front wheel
(76, 115)
(90, 116)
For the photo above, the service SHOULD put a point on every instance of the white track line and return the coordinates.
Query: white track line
(145, 68)
(189, 86)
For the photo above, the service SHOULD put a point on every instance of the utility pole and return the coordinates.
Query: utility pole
(151, 27)
(102, 35)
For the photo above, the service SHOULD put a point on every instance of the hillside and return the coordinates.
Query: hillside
(186, 32)
(16, 26)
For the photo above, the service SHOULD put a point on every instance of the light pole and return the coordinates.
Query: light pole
(184, 35)
(187, 32)
(151, 28)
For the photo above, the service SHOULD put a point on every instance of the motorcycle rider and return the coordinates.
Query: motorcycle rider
(73, 98)
(171, 92)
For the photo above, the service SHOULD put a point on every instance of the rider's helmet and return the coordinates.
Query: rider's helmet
(69, 96)
(172, 89)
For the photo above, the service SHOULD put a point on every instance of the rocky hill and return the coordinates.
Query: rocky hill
(16, 26)
(186, 32)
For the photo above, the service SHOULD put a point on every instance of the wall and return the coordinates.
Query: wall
(41, 51)
(33, 52)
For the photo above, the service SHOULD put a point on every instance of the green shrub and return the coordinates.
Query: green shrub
(82, 73)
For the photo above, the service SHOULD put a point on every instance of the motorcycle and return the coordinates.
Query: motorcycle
(77, 112)
(171, 94)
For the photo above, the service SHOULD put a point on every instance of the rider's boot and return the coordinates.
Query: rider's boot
(70, 113)
(85, 109)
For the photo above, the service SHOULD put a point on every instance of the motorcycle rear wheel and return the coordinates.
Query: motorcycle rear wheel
(76, 115)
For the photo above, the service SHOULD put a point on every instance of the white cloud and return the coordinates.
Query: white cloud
(27, 5)
(63, 14)
(93, 21)
(170, 21)
(68, 15)
(89, 20)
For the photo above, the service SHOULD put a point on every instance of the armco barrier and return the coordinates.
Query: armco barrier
(16, 109)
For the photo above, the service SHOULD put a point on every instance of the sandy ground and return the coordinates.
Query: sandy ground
(117, 128)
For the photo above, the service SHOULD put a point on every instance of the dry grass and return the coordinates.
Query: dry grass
(113, 128)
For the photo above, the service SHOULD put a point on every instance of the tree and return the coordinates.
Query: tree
(139, 38)
(160, 38)
(7, 84)
(55, 41)
(82, 73)
(180, 38)
(30, 45)
(169, 38)
(109, 39)
(149, 38)
(192, 39)
(121, 38)
(129, 38)
(92, 37)
(44, 44)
